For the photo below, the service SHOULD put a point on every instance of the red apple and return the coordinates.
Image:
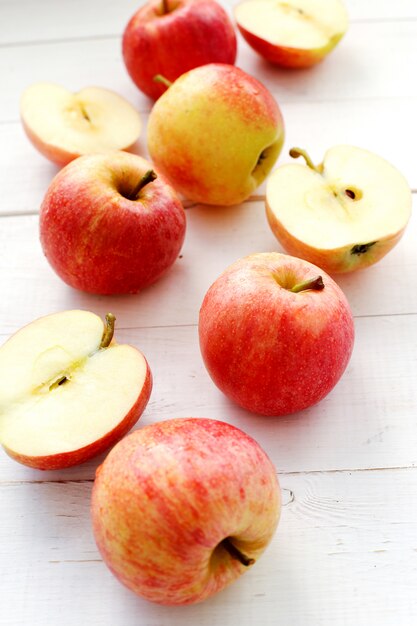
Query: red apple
(170, 37)
(276, 333)
(109, 224)
(181, 508)
(68, 391)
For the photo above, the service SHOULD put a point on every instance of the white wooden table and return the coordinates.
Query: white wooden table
(346, 549)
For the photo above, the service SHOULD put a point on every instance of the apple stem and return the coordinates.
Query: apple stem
(312, 283)
(235, 553)
(165, 7)
(297, 152)
(148, 177)
(158, 78)
(108, 331)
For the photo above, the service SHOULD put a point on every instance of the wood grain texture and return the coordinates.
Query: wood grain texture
(214, 239)
(346, 550)
(367, 421)
(356, 532)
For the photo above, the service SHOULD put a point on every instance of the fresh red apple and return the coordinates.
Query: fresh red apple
(63, 125)
(170, 37)
(181, 508)
(215, 134)
(344, 214)
(276, 333)
(292, 33)
(110, 225)
(68, 391)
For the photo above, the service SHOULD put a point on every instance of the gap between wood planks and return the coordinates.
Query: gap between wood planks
(280, 473)
(110, 36)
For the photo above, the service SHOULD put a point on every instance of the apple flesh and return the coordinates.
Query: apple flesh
(181, 508)
(63, 125)
(342, 215)
(215, 134)
(292, 33)
(110, 225)
(67, 390)
(171, 37)
(276, 333)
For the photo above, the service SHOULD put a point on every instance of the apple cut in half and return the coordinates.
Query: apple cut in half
(67, 390)
(292, 33)
(63, 125)
(342, 215)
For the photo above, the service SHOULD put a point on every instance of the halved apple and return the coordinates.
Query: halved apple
(292, 33)
(63, 125)
(343, 215)
(67, 390)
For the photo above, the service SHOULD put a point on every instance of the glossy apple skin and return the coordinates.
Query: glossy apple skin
(195, 33)
(291, 58)
(75, 457)
(99, 241)
(168, 494)
(208, 131)
(272, 351)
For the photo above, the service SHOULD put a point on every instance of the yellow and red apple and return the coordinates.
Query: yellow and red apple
(183, 507)
(216, 133)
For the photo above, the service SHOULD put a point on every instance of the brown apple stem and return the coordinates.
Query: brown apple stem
(148, 177)
(312, 283)
(158, 78)
(108, 331)
(235, 553)
(297, 152)
(165, 7)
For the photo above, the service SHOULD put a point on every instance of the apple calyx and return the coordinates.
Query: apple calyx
(316, 284)
(158, 78)
(235, 553)
(362, 248)
(108, 331)
(148, 177)
(297, 152)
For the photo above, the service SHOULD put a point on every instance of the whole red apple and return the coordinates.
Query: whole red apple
(276, 333)
(181, 508)
(170, 37)
(110, 225)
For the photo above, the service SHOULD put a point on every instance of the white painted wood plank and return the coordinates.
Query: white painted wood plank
(368, 421)
(214, 239)
(345, 553)
(369, 63)
(49, 20)
(356, 122)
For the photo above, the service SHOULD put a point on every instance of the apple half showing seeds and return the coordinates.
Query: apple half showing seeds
(342, 215)
(183, 507)
(68, 390)
(292, 33)
(63, 125)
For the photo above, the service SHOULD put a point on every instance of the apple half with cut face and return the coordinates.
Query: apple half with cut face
(292, 33)
(182, 508)
(68, 390)
(342, 215)
(63, 125)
